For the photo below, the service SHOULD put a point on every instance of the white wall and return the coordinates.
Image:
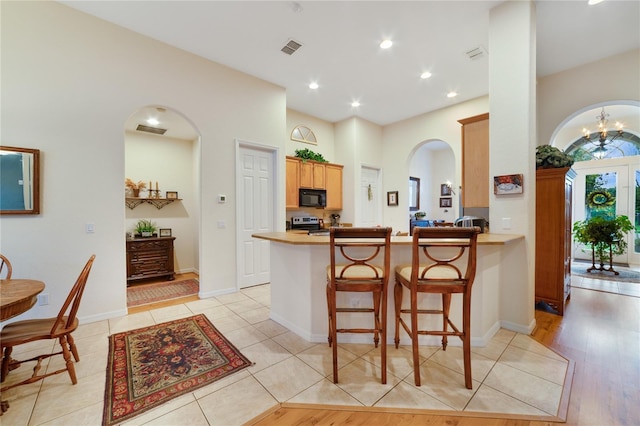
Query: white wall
(170, 162)
(69, 83)
(324, 131)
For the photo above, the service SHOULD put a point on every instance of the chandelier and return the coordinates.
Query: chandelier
(601, 138)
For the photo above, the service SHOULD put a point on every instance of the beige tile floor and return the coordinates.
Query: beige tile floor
(512, 374)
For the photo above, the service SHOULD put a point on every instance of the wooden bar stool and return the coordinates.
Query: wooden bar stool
(355, 271)
(443, 261)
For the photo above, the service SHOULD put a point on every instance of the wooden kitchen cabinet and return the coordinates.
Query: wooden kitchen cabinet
(312, 175)
(554, 188)
(150, 258)
(333, 177)
(292, 182)
(475, 161)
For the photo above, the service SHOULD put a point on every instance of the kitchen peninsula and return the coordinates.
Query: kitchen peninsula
(298, 280)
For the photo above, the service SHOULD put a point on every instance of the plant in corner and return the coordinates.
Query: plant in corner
(145, 228)
(603, 236)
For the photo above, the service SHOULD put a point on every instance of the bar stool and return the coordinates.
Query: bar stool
(355, 271)
(443, 261)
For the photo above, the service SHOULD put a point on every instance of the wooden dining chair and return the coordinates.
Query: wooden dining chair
(60, 327)
(443, 261)
(360, 262)
(5, 268)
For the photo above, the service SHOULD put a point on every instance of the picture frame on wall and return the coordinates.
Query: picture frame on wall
(508, 184)
(165, 232)
(445, 190)
(446, 202)
(392, 198)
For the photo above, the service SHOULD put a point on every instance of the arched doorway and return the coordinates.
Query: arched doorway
(162, 150)
(610, 164)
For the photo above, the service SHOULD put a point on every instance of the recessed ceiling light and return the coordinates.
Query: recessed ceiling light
(386, 44)
(153, 121)
(452, 95)
(355, 104)
(425, 74)
(592, 2)
(313, 85)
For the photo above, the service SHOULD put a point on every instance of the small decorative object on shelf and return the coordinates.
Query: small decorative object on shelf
(172, 195)
(135, 187)
(165, 232)
(550, 157)
(145, 228)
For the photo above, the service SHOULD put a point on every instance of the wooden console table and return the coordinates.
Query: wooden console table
(150, 258)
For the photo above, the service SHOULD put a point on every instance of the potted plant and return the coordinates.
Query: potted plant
(145, 228)
(134, 187)
(549, 157)
(307, 154)
(605, 237)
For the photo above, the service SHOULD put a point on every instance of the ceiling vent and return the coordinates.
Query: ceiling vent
(476, 53)
(291, 47)
(149, 129)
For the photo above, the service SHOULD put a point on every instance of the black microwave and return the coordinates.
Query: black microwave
(313, 198)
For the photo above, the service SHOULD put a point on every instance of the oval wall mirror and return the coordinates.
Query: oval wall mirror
(19, 180)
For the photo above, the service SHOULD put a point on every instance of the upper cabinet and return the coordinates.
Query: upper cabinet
(475, 161)
(293, 179)
(333, 177)
(314, 175)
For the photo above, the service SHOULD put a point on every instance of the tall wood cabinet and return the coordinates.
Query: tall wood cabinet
(554, 190)
(316, 175)
(333, 177)
(475, 161)
(292, 182)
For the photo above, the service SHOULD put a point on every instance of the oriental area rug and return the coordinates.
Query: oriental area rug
(152, 365)
(624, 274)
(143, 294)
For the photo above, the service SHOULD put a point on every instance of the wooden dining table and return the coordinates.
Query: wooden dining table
(16, 297)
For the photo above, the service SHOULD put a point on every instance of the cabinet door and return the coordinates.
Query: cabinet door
(306, 174)
(333, 179)
(475, 161)
(318, 176)
(292, 182)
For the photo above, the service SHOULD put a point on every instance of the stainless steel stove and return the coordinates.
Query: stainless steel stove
(312, 224)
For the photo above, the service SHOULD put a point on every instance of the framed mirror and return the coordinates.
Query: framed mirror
(19, 180)
(414, 193)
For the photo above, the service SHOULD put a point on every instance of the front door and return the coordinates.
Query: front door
(602, 189)
(255, 212)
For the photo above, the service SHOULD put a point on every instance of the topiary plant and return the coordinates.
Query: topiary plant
(548, 157)
(599, 233)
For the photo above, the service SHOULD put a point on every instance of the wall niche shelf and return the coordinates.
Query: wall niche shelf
(132, 202)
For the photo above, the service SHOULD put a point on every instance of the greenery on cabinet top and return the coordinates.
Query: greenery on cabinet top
(307, 154)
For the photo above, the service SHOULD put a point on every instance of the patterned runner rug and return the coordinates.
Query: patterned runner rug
(152, 365)
(625, 274)
(143, 294)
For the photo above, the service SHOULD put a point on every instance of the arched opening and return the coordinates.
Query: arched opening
(162, 152)
(605, 163)
(433, 163)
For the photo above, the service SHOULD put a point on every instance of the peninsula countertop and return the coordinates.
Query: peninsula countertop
(297, 238)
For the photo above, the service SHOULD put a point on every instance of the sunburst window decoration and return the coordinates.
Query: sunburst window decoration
(600, 199)
(304, 134)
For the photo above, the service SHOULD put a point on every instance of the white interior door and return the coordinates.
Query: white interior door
(370, 197)
(255, 212)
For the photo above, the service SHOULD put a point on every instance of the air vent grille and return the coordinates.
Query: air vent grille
(476, 53)
(291, 47)
(149, 129)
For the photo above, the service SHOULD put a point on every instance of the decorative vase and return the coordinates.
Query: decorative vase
(146, 234)
(136, 192)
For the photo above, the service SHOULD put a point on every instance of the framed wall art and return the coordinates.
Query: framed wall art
(392, 198)
(445, 202)
(445, 189)
(507, 184)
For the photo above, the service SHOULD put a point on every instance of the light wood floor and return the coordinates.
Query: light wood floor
(599, 331)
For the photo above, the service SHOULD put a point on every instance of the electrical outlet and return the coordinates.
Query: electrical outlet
(506, 223)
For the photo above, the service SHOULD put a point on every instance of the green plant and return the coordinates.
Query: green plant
(600, 233)
(145, 225)
(307, 154)
(548, 157)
